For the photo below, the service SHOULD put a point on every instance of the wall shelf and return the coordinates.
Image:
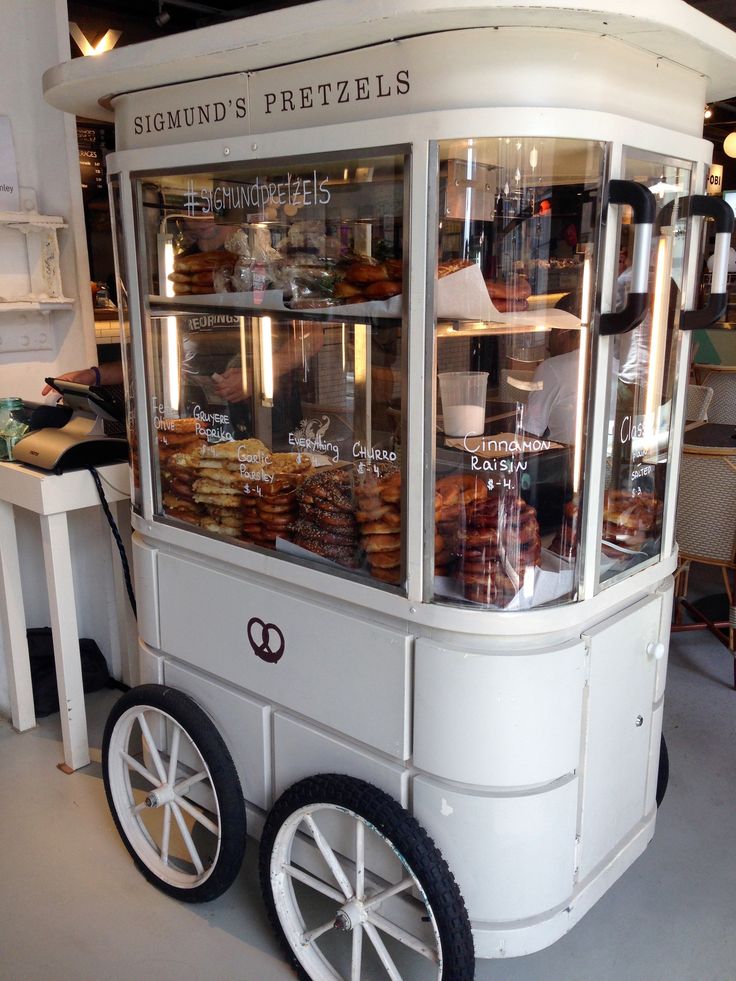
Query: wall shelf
(24, 312)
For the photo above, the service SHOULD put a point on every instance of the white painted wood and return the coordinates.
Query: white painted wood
(622, 679)
(668, 29)
(515, 939)
(52, 497)
(243, 722)
(338, 669)
(13, 619)
(502, 721)
(123, 630)
(512, 856)
(667, 592)
(302, 750)
(650, 799)
(145, 574)
(60, 585)
(150, 666)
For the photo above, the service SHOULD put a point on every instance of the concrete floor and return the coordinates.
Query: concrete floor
(72, 906)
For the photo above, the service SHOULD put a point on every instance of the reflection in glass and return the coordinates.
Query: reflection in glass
(644, 369)
(517, 247)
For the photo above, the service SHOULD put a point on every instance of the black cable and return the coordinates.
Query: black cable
(118, 539)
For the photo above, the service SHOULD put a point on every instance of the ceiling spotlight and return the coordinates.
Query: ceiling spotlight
(708, 112)
(163, 16)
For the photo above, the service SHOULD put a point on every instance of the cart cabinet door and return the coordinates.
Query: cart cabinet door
(346, 673)
(619, 729)
(498, 720)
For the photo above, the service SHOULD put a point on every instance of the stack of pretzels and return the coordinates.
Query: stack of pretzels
(453, 495)
(510, 294)
(499, 542)
(326, 524)
(378, 514)
(630, 519)
(195, 273)
(176, 438)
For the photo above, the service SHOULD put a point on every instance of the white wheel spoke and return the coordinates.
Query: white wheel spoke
(184, 830)
(166, 835)
(185, 785)
(359, 859)
(388, 924)
(137, 808)
(152, 748)
(134, 764)
(380, 897)
(380, 947)
(407, 939)
(173, 755)
(317, 932)
(357, 952)
(317, 884)
(329, 857)
(198, 815)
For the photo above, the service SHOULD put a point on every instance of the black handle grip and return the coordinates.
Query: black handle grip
(637, 196)
(715, 309)
(644, 206)
(712, 207)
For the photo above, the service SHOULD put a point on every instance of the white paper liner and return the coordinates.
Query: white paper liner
(460, 296)
(542, 584)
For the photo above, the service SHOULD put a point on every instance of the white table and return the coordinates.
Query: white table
(52, 497)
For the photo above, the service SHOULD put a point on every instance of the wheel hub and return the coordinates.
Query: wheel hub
(160, 796)
(350, 915)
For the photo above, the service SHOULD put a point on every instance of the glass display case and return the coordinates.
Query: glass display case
(274, 297)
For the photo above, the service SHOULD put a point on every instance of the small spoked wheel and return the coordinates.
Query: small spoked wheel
(356, 889)
(174, 793)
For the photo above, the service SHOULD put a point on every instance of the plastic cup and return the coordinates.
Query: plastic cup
(463, 395)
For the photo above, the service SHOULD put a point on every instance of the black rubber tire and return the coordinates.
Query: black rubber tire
(408, 838)
(225, 783)
(663, 772)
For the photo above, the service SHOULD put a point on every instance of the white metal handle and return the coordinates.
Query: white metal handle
(655, 650)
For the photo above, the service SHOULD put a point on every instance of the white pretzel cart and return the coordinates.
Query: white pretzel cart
(410, 290)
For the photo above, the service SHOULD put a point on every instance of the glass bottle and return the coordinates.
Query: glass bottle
(14, 424)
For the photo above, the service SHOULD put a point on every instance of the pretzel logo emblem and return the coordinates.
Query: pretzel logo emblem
(265, 648)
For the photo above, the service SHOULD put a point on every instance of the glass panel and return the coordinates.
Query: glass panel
(644, 369)
(517, 244)
(125, 342)
(275, 356)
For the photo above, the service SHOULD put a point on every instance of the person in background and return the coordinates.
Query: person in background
(567, 243)
(550, 409)
(110, 375)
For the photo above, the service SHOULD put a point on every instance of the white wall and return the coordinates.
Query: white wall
(34, 36)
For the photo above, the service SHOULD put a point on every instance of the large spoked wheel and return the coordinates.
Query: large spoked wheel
(174, 793)
(356, 889)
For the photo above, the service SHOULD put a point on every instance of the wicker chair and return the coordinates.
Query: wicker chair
(722, 379)
(699, 398)
(706, 532)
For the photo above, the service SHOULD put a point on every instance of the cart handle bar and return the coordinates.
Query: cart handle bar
(642, 202)
(715, 309)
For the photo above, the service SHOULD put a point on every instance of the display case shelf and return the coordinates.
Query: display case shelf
(271, 301)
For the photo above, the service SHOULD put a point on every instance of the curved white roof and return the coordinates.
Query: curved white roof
(669, 29)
